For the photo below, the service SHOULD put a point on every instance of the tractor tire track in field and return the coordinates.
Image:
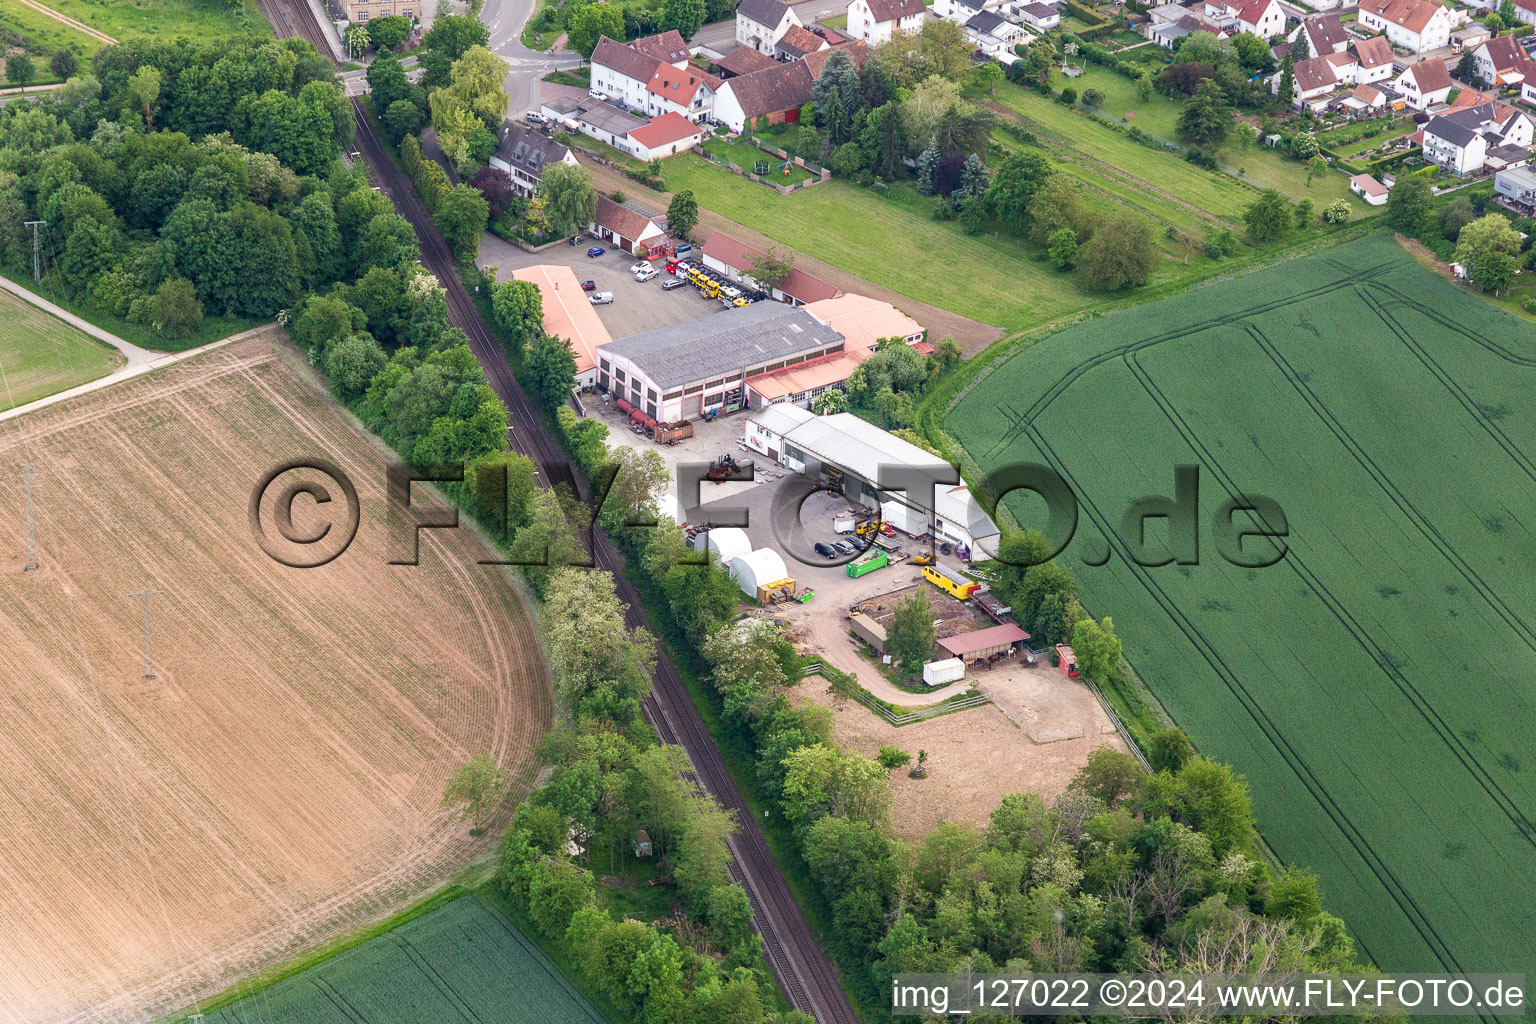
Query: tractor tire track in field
(1024, 425)
(1292, 758)
(1337, 607)
(438, 982)
(1107, 169)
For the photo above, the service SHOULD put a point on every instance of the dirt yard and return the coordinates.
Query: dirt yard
(279, 781)
(977, 757)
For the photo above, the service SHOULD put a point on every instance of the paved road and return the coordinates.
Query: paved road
(505, 19)
(721, 35)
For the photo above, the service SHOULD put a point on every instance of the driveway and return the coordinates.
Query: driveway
(636, 307)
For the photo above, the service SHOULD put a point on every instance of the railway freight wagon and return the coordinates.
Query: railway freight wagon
(950, 582)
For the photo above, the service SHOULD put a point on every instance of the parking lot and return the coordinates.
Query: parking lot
(637, 307)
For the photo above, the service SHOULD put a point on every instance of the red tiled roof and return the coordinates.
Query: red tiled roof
(771, 90)
(800, 41)
(625, 60)
(981, 639)
(1314, 73)
(891, 10)
(1504, 52)
(621, 220)
(669, 127)
(1251, 11)
(679, 85)
(668, 46)
(1412, 15)
(737, 255)
(744, 60)
(1431, 75)
(1373, 52)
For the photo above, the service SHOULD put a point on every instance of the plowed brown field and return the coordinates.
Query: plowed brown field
(279, 781)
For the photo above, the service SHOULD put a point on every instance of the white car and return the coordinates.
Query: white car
(602, 298)
(638, 267)
(646, 274)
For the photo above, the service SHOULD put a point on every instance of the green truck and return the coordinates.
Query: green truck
(869, 563)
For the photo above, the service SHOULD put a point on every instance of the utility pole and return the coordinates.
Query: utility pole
(37, 263)
(149, 665)
(25, 482)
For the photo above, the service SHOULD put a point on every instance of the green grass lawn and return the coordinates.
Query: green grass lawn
(747, 156)
(1360, 146)
(1380, 671)
(893, 240)
(44, 36)
(41, 356)
(839, 21)
(1216, 193)
(163, 19)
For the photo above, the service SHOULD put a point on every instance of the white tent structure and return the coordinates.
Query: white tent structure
(757, 569)
(729, 542)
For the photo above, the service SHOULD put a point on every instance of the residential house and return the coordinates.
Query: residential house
(1415, 25)
(1470, 139)
(1374, 59)
(1316, 77)
(876, 21)
(1369, 189)
(1038, 16)
(664, 136)
(628, 226)
(667, 46)
(760, 24)
(994, 36)
(1425, 84)
(360, 11)
(523, 153)
(774, 93)
(1263, 18)
(727, 256)
(962, 11)
(1526, 11)
(1166, 31)
(799, 41)
(689, 91)
(1528, 83)
(1518, 187)
(1500, 61)
(622, 72)
(1325, 35)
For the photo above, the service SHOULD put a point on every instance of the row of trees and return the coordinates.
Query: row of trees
(1488, 247)
(181, 178)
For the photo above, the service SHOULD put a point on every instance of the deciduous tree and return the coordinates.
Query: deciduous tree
(476, 787)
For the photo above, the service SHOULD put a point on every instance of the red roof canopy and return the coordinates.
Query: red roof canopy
(980, 639)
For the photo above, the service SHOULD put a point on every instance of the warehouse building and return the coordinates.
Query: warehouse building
(849, 453)
(568, 314)
(702, 367)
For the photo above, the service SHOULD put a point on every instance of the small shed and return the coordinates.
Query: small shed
(1067, 660)
(757, 569)
(984, 643)
(643, 847)
(728, 542)
(868, 630)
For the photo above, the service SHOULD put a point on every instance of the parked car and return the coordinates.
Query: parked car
(578, 239)
(844, 548)
(642, 265)
(589, 286)
(672, 282)
(534, 117)
(825, 550)
(647, 274)
(602, 298)
(595, 252)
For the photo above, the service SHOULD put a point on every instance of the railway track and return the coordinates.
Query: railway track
(800, 965)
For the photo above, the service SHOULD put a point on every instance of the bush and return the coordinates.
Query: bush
(1068, 96)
